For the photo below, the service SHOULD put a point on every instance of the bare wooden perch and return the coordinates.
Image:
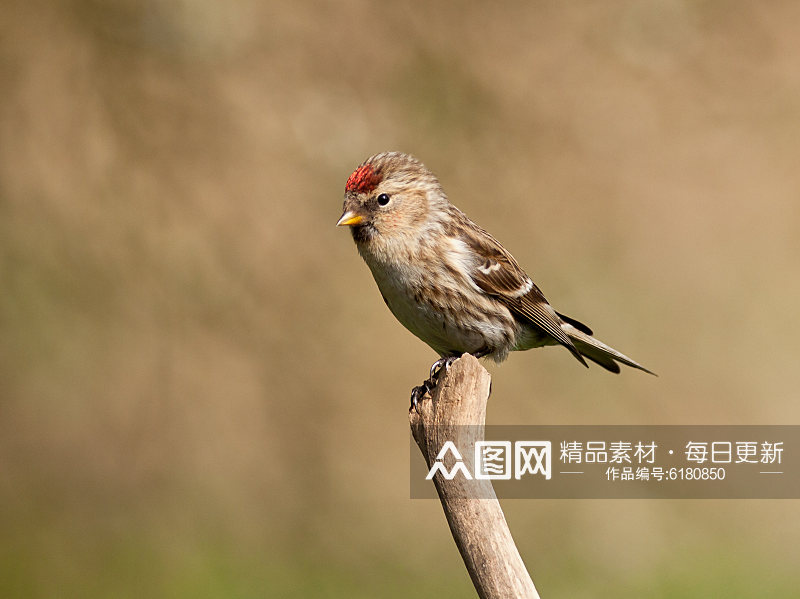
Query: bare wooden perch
(478, 526)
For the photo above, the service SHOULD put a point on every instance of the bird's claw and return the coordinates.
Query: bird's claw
(445, 363)
(418, 392)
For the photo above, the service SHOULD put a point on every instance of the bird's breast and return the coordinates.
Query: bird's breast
(433, 303)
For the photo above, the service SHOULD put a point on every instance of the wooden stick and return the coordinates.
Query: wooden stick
(478, 526)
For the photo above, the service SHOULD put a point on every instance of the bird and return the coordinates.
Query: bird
(445, 278)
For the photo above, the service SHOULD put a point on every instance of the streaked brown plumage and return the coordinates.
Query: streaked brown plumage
(446, 279)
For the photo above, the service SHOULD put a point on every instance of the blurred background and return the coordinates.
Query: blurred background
(201, 391)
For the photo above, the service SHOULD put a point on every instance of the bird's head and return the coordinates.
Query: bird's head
(391, 195)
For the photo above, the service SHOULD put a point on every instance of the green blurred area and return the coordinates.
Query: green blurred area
(201, 392)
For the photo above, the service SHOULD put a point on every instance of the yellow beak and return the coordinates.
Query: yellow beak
(349, 219)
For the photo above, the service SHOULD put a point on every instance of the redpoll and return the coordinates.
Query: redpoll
(447, 280)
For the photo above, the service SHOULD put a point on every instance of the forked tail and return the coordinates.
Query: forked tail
(596, 350)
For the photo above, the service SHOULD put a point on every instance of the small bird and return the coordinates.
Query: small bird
(446, 279)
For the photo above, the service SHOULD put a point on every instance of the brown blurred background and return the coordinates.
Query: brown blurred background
(201, 391)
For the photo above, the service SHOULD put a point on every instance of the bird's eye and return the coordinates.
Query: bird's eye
(383, 199)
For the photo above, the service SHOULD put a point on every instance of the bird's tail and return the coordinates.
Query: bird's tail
(596, 350)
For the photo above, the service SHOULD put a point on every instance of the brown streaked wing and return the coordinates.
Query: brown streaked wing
(499, 275)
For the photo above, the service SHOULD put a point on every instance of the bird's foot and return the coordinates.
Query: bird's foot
(418, 392)
(446, 363)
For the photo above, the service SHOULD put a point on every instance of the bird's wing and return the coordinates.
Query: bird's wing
(497, 274)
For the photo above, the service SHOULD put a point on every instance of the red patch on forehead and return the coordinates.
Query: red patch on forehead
(363, 180)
